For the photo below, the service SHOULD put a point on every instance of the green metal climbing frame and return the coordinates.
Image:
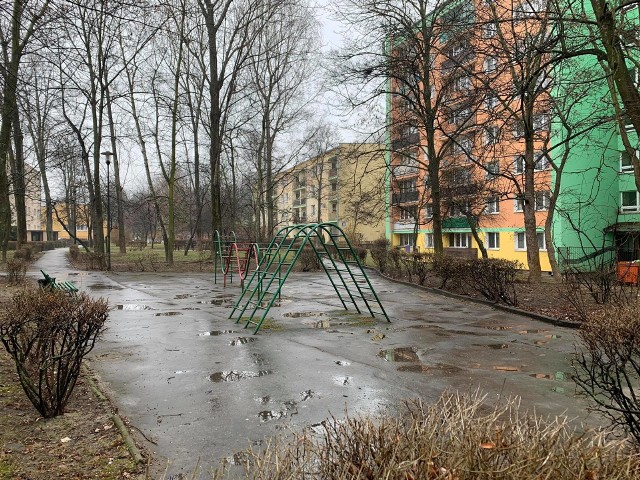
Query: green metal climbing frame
(336, 257)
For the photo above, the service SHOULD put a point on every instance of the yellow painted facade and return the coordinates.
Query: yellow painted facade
(344, 185)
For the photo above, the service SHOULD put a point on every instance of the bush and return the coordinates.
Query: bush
(418, 265)
(494, 278)
(379, 251)
(24, 253)
(74, 252)
(607, 365)
(48, 333)
(450, 269)
(460, 437)
(308, 260)
(16, 270)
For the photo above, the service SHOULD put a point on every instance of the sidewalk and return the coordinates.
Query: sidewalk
(200, 386)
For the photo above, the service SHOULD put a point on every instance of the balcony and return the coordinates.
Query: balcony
(404, 197)
(405, 140)
(404, 225)
(333, 173)
(460, 190)
(299, 219)
(404, 170)
(300, 185)
(299, 202)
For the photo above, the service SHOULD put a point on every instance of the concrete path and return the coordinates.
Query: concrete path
(200, 386)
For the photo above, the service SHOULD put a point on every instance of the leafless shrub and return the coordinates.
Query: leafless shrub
(16, 270)
(379, 251)
(308, 260)
(450, 270)
(24, 253)
(418, 265)
(453, 439)
(74, 252)
(494, 278)
(607, 364)
(48, 333)
(395, 262)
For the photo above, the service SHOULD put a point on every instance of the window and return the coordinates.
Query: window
(542, 200)
(334, 187)
(492, 240)
(518, 164)
(490, 101)
(459, 115)
(521, 241)
(459, 240)
(428, 240)
(630, 201)
(313, 209)
(408, 214)
(463, 145)
(406, 186)
(493, 205)
(626, 165)
(406, 239)
(491, 135)
(518, 204)
(334, 207)
(490, 65)
(492, 169)
(518, 129)
(462, 83)
(459, 208)
(489, 30)
(541, 122)
(428, 211)
(542, 161)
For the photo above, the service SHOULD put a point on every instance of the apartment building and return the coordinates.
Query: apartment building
(482, 154)
(344, 185)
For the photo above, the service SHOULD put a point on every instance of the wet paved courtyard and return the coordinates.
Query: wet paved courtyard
(200, 386)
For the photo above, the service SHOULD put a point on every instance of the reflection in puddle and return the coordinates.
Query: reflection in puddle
(400, 354)
(241, 341)
(306, 395)
(532, 331)
(182, 296)
(557, 376)
(215, 333)
(168, 314)
(505, 368)
(302, 314)
(132, 306)
(343, 363)
(258, 359)
(102, 286)
(497, 327)
(420, 368)
(234, 375)
(263, 400)
(493, 346)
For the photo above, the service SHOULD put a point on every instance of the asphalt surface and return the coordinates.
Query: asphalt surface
(201, 387)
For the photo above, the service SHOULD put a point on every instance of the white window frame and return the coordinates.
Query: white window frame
(490, 64)
(522, 236)
(408, 215)
(489, 30)
(428, 211)
(490, 172)
(518, 164)
(627, 168)
(491, 135)
(496, 240)
(518, 204)
(460, 240)
(629, 208)
(493, 205)
(542, 162)
(428, 240)
(542, 200)
(490, 101)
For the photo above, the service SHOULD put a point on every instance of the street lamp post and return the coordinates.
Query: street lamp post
(108, 160)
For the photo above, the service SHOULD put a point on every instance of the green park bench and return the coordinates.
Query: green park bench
(50, 283)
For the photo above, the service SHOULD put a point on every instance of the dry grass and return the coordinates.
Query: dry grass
(458, 438)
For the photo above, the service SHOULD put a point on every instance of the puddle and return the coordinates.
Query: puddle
(524, 332)
(258, 359)
(182, 296)
(168, 314)
(217, 302)
(180, 372)
(493, 346)
(234, 375)
(101, 286)
(322, 324)
(557, 376)
(241, 341)
(191, 308)
(497, 327)
(267, 415)
(302, 314)
(420, 368)
(400, 354)
(343, 363)
(215, 333)
(506, 368)
(263, 400)
(132, 306)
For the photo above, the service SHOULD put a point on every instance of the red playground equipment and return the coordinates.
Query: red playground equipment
(230, 255)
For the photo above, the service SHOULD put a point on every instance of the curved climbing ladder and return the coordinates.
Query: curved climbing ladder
(336, 257)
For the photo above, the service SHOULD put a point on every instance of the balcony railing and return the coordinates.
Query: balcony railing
(405, 197)
(299, 219)
(405, 140)
(299, 185)
(298, 202)
(403, 170)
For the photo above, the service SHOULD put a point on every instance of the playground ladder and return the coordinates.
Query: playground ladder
(336, 257)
